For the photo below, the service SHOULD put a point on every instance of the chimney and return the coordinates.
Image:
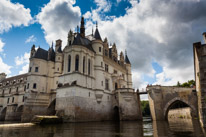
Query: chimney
(58, 44)
(204, 37)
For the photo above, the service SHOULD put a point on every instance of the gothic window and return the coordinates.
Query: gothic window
(69, 63)
(84, 65)
(89, 67)
(34, 86)
(77, 63)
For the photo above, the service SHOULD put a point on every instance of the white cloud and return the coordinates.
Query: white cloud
(13, 15)
(57, 18)
(24, 69)
(4, 67)
(1, 46)
(22, 59)
(31, 38)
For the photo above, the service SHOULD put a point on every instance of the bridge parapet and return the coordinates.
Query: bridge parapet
(161, 99)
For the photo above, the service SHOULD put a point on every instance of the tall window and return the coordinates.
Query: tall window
(84, 65)
(10, 91)
(106, 84)
(30, 69)
(77, 63)
(12, 99)
(17, 89)
(24, 87)
(89, 63)
(69, 63)
(8, 101)
(23, 99)
(34, 86)
(36, 69)
(106, 68)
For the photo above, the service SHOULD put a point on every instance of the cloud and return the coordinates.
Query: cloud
(57, 18)
(31, 38)
(24, 69)
(13, 15)
(1, 46)
(22, 59)
(4, 67)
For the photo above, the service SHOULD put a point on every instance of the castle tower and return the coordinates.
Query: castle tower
(129, 73)
(97, 45)
(58, 62)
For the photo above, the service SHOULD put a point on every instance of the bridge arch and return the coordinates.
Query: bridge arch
(176, 100)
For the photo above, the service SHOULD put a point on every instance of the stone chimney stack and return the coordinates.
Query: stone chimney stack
(204, 37)
(2, 76)
(58, 44)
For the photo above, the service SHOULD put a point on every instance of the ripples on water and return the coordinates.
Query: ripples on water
(147, 128)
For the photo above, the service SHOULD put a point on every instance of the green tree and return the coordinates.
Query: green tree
(145, 108)
(189, 83)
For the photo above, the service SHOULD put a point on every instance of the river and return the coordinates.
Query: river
(145, 128)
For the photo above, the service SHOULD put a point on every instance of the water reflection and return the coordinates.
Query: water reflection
(147, 128)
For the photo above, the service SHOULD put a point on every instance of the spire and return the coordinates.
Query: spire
(96, 34)
(82, 29)
(126, 58)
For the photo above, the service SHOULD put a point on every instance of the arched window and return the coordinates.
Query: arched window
(89, 63)
(84, 65)
(77, 63)
(69, 63)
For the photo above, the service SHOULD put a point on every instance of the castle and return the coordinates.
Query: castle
(86, 81)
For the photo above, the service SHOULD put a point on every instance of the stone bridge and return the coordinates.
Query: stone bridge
(164, 98)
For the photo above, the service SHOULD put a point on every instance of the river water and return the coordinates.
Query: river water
(145, 128)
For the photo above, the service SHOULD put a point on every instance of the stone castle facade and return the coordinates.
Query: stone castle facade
(199, 50)
(86, 81)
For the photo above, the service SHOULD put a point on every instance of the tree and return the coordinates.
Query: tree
(189, 83)
(145, 108)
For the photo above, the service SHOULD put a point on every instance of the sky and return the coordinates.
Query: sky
(157, 34)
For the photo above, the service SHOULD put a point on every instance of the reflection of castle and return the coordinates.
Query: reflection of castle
(84, 82)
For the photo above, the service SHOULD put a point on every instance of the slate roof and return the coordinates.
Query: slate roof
(41, 54)
(97, 35)
(127, 60)
(79, 40)
(44, 54)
